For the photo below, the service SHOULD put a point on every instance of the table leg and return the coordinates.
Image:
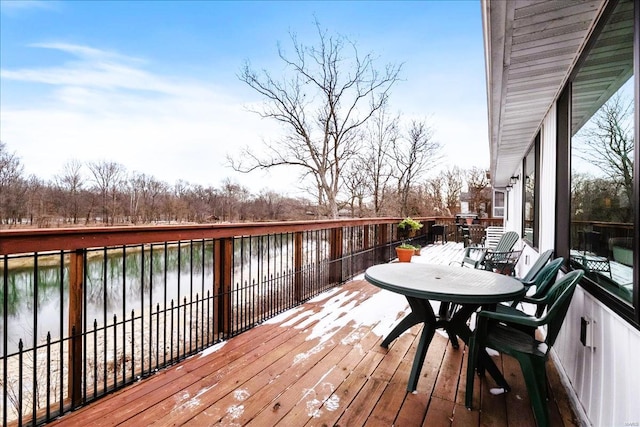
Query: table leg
(446, 312)
(428, 330)
(459, 323)
(421, 352)
(455, 325)
(416, 316)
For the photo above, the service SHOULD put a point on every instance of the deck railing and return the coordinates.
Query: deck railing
(87, 311)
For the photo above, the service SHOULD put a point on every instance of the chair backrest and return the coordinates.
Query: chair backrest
(560, 294)
(507, 241)
(493, 234)
(545, 280)
(502, 262)
(537, 266)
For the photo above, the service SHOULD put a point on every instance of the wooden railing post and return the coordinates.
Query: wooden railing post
(76, 329)
(335, 253)
(223, 286)
(298, 281)
(382, 238)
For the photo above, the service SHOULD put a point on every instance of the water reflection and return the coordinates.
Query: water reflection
(138, 278)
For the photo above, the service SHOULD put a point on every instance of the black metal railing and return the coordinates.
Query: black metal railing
(88, 311)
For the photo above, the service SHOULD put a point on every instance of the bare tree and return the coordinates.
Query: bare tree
(356, 184)
(70, 181)
(330, 93)
(108, 177)
(233, 197)
(434, 188)
(11, 183)
(36, 201)
(479, 189)
(414, 155)
(382, 134)
(454, 180)
(608, 144)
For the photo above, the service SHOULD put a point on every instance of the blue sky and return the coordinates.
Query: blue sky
(153, 85)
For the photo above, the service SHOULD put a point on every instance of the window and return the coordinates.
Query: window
(602, 159)
(530, 222)
(498, 203)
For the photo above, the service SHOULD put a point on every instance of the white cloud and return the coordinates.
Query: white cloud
(107, 106)
(14, 7)
(103, 105)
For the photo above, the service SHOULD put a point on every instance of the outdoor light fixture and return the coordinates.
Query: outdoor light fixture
(513, 180)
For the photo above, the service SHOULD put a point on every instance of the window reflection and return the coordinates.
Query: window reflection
(602, 152)
(529, 195)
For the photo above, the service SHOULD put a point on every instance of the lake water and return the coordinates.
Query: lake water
(117, 284)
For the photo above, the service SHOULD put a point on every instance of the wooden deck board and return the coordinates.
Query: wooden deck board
(322, 365)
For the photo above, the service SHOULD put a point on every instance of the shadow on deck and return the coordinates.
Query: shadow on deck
(321, 364)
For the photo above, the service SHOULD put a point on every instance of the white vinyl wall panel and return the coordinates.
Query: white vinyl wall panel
(604, 377)
(547, 202)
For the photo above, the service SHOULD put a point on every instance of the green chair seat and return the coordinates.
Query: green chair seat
(513, 341)
(504, 332)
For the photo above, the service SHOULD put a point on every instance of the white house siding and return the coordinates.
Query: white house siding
(604, 377)
(547, 202)
(513, 222)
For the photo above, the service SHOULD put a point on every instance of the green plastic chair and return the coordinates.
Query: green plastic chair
(500, 332)
(479, 257)
(530, 277)
(543, 282)
(474, 256)
(501, 262)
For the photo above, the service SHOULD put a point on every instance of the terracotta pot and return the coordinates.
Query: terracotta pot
(404, 255)
(417, 252)
(469, 221)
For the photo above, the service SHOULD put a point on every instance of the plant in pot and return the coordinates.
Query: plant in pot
(407, 228)
(405, 251)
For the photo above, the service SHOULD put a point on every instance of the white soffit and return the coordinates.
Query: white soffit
(530, 49)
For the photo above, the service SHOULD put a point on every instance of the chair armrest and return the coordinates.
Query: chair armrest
(499, 256)
(533, 322)
(527, 283)
(532, 300)
(469, 249)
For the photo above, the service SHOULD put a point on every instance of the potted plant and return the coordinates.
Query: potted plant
(417, 250)
(405, 251)
(408, 227)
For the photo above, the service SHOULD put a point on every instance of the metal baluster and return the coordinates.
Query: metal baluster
(142, 310)
(35, 339)
(95, 359)
(20, 373)
(5, 335)
(115, 351)
(48, 375)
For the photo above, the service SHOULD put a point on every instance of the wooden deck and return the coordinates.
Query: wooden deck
(322, 365)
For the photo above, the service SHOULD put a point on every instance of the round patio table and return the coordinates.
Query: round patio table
(465, 288)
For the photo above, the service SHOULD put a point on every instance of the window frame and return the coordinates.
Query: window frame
(631, 313)
(535, 148)
(495, 206)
